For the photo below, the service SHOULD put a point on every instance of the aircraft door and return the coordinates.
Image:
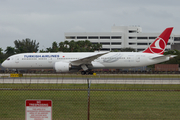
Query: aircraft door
(50, 59)
(138, 58)
(16, 59)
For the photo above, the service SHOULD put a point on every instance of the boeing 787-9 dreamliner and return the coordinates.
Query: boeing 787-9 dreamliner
(86, 61)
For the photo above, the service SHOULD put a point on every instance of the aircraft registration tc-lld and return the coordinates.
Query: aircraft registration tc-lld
(86, 61)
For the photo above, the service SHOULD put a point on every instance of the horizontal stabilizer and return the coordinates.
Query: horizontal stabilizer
(164, 57)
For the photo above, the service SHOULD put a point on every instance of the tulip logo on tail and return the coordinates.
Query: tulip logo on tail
(158, 46)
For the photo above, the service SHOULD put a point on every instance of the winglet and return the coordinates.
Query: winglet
(159, 45)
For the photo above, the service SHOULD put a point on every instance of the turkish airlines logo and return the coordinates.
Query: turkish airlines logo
(158, 46)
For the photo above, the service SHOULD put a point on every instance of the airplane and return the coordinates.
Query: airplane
(86, 61)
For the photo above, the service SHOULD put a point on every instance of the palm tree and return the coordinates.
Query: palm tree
(10, 51)
(26, 45)
(72, 46)
(54, 47)
(61, 46)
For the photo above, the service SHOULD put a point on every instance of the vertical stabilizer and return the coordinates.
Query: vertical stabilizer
(159, 45)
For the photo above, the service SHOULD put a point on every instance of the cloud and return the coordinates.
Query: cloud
(46, 21)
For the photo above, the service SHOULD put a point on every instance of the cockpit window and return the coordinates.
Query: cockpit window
(8, 58)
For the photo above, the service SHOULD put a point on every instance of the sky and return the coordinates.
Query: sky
(46, 21)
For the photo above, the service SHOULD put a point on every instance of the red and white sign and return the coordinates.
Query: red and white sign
(38, 110)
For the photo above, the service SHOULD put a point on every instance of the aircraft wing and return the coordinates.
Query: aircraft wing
(88, 59)
(164, 56)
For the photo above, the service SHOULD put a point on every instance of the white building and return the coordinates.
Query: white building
(121, 37)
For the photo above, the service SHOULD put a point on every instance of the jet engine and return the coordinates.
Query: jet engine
(62, 67)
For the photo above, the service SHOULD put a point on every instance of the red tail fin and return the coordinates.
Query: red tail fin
(159, 45)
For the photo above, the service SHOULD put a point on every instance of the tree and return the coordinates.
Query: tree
(42, 51)
(172, 52)
(175, 60)
(61, 46)
(10, 51)
(2, 57)
(26, 45)
(116, 50)
(66, 43)
(80, 46)
(127, 50)
(54, 48)
(88, 45)
(99, 47)
(1, 51)
(73, 46)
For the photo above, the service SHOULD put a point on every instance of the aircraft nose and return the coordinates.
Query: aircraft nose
(4, 64)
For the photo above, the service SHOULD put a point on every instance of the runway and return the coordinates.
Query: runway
(92, 80)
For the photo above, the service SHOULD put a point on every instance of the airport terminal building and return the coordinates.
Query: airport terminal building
(122, 37)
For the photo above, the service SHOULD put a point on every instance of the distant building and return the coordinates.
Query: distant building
(121, 37)
(175, 46)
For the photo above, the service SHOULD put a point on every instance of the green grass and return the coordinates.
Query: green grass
(104, 105)
(119, 87)
(103, 76)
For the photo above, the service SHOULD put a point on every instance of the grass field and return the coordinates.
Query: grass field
(94, 87)
(106, 75)
(104, 105)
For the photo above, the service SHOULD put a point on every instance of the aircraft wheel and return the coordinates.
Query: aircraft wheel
(91, 72)
(87, 72)
(83, 72)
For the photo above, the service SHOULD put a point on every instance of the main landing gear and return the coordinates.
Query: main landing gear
(16, 71)
(87, 72)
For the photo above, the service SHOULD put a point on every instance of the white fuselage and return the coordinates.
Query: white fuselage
(111, 60)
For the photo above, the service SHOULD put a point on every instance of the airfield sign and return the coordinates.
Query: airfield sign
(38, 110)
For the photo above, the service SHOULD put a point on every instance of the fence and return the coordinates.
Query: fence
(110, 96)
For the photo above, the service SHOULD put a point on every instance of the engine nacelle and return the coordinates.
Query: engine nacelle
(62, 67)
